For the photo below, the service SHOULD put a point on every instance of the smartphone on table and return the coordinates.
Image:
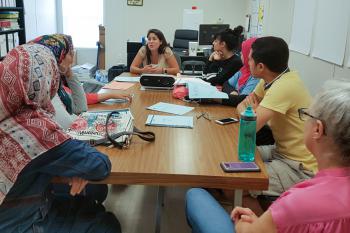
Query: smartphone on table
(239, 167)
(226, 121)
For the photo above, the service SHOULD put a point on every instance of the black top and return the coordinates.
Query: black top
(225, 69)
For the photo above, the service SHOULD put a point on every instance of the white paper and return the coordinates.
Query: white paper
(192, 19)
(170, 121)
(127, 79)
(303, 21)
(170, 108)
(201, 91)
(331, 29)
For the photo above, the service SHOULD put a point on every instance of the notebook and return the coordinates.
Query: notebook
(170, 121)
(170, 108)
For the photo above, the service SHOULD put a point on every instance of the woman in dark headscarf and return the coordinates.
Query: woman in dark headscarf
(71, 92)
(33, 149)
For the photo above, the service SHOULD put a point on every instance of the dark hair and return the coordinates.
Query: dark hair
(272, 51)
(230, 37)
(161, 48)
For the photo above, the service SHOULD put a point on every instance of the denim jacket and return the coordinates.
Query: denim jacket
(30, 198)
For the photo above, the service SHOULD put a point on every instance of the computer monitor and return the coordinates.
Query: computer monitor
(208, 31)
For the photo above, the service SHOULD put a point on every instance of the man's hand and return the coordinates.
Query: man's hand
(252, 100)
(77, 185)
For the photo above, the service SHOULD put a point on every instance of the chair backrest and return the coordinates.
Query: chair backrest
(131, 50)
(183, 37)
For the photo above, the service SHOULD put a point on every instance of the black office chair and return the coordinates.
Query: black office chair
(131, 50)
(182, 38)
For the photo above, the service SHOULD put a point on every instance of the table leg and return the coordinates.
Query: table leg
(238, 197)
(160, 204)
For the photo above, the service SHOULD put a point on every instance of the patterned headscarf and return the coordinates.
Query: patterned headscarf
(60, 45)
(29, 79)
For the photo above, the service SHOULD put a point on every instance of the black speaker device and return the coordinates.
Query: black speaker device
(157, 81)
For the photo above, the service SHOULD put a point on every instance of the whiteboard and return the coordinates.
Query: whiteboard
(192, 19)
(331, 29)
(303, 21)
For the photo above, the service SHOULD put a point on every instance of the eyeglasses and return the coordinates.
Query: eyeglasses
(303, 115)
(205, 115)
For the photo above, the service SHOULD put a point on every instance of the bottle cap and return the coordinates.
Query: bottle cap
(248, 114)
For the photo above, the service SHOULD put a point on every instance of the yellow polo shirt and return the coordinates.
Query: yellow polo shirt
(285, 96)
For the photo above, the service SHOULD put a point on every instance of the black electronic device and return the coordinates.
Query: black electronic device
(157, 81)
(208, 31)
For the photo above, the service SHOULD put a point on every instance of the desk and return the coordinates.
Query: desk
(181, 157)
(184, 157)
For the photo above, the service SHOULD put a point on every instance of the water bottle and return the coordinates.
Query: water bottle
(247, 135)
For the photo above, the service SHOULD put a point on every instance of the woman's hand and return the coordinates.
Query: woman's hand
(215, 56)
(243, 214)
(151, 69)
(77, 185)
(128, 97)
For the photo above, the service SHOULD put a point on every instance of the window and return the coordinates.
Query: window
(80, 19)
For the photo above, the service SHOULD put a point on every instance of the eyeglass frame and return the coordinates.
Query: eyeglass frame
(205, 115)
(302, 111)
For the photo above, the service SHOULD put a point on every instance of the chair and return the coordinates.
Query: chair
(181, 39)
(197, 67)
(131, 50)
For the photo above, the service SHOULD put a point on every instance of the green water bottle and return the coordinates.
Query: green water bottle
(247, 135)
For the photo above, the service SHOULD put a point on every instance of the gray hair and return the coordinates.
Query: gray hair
(332, 105)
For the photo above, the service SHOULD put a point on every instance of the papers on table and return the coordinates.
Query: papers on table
(202, 91)
(127, 79)
(115, 101)
(185, 81)
(170, 121)
(170, 108)
(118, 85)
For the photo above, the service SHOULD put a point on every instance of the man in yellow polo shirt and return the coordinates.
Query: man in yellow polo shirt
(276, 100)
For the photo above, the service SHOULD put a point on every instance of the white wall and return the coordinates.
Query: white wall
(40, 18)
(125, 22)
(314, 72)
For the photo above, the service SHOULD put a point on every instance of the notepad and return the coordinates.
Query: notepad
(118, 85)
(127, 79)
(170, 108)
(170, 121)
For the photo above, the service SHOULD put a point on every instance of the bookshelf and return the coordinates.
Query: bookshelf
(11, 36)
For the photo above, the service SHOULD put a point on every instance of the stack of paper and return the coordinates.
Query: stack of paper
(170, 108)
(202, 91)
(118, 85)
(170, 121)
(127, 79)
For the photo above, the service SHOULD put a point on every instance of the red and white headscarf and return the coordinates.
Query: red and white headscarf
(29, 79)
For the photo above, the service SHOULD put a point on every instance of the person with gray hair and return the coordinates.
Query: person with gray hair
(322, 203)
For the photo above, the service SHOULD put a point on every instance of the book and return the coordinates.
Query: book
(92, 125)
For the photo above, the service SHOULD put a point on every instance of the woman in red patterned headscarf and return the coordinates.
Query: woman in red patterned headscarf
(33, 149)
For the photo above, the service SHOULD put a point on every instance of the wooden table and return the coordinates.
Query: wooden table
(181, 157)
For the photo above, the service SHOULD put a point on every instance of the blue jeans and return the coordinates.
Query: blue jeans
(32, 207)
(205, 214)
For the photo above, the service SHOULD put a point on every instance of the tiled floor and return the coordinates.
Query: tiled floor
(134, 205)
